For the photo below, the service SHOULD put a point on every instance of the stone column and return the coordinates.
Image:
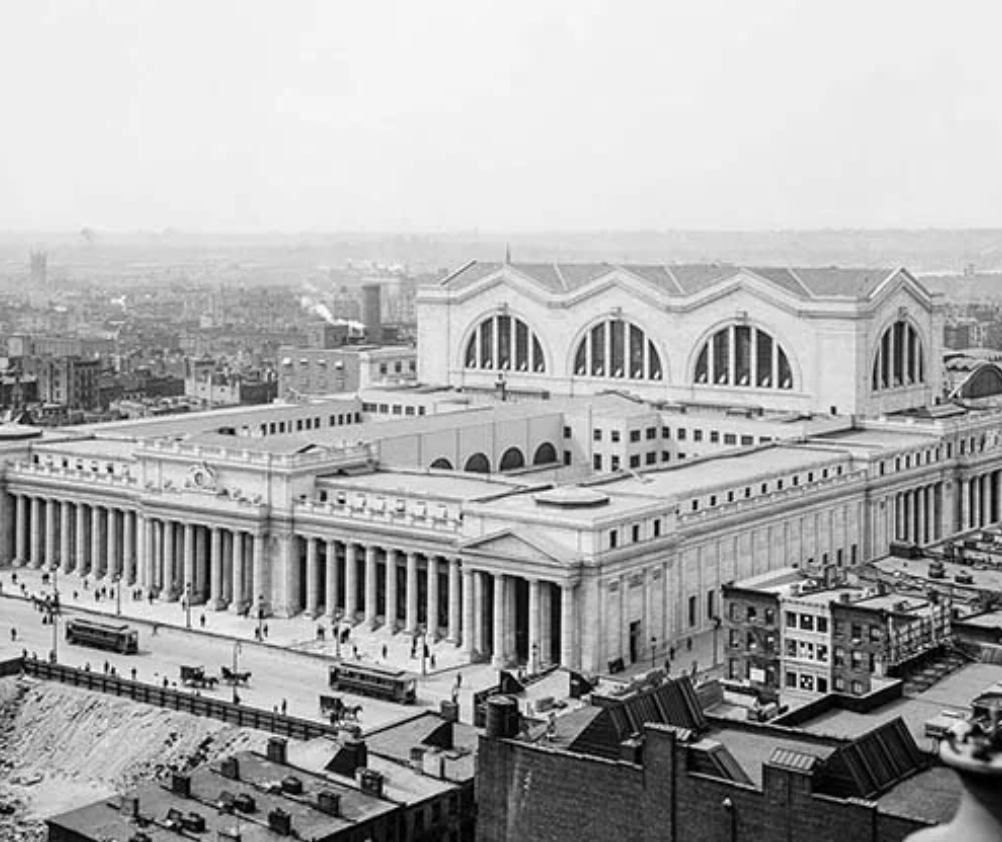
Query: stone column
(81, 541)
(142, 551)
(350, 582)
(65, 525)
(189, 555)
(21, 530)
(567, 659)
(239, 591)
(455, 602)
(200, 584)
(36, 532)
(312, 578)
(170, 584)
(975, 502)
(534, 648)
(545, 623)
(113, 558)
(469, 619)
(97, 563)
(965, 504)
(480, 611)
(128, 547)
(497, 656)
(331, 599)
(411, 617)
(216, 585)
(390, 612)
(226, 543)
(50, 534)
(258, 596)
(431, 611)
(371, 589)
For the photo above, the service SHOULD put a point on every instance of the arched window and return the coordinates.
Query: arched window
(743, 356)
(442, 464)
(546, 454)
(512, 459)
(617, 349)
(478, 464)
(900, 359)
(504, 343)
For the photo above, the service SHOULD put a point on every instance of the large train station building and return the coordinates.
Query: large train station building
(592, 453)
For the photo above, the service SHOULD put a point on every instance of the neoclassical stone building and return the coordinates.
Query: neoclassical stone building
(760, 418)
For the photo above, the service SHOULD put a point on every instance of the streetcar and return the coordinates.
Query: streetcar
(394, 685)
(114, 637)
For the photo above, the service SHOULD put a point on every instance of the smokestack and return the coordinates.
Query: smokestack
(372, 316)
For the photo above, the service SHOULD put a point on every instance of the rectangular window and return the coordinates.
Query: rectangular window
(567, 457)
(711, 604)
(657, 528)
(807, 622)
(823, 625)
(615, 463)
(615, 435)
(567, 432)
(665, 433)
(636, 533)
(596, 461)
(613, 538)
(692, 610)
(751, 614)
(857, 688)
(665, 456)
(730, 438)
(635, 460)
(651, 458)
(714, 437)
(634, 435)
(791, 620)
(734, 638)
(747, 441)
(597, 434)
(791, 680)
(839, 656)
(697, 435)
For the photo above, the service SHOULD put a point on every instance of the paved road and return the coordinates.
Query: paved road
(277, 675)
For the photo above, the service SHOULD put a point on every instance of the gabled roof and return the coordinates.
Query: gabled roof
(681, 280)
(507, 544)
(872, 763)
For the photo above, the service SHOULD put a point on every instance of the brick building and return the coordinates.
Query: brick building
(615, 772)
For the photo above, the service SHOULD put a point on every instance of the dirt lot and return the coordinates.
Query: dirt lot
(61, 748)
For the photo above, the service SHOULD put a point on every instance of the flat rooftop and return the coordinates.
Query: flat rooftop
(954, 693)
(87, 448)
(752, 748)
(433, 485)
(727, 470)
(882, 439)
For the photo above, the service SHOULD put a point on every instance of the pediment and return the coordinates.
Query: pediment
(507, 545)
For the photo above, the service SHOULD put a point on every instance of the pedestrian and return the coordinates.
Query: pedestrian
(354, 651)
(433, 660)
(166, 683)
(13, 635)
(257, 633)
(264, 628)
(284, 706)
(201, 621)
(76, 595)
(667, 666)
(688, 644)
(13, 577)
(459, 679)
(133, 673)
(671, 653)
(106, 667)
(384, 651)
(87, 667)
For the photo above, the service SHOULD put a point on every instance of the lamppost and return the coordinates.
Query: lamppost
(535, 658)
(424, 651)
(187, 606)
(337, 633)
(716, 635)
(654, 649)
(237, 649)
(260, 616)
(118, 595)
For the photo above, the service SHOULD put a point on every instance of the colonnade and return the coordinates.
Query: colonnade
(980, 500)
(919, 513)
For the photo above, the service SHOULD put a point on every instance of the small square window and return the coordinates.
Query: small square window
(615, 435)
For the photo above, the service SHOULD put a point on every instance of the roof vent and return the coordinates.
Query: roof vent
(329, 802)
(245, 802)
(292, 785)
(230, 768)
(371, 782)
(194, 822)
(280, 821)
(180, 784)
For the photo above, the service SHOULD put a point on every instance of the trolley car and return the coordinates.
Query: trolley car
(116, 638)
(381, 682)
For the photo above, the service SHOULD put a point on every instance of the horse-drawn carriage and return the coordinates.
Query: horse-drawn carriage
(334, 708)
(235, 677)
(195, 677)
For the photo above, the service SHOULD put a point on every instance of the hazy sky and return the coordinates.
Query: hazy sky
(423, 115)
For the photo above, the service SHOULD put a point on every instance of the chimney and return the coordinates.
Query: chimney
(434, 764)
(370, 782)
(350, 756)
(329, 802)
(130, 806)
(417, 758)
(230, 768)
(280, 821)
(180, 784)
(372, 316)
(277, 750)
(449, 711)
(502, 717)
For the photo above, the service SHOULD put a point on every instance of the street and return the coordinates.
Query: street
(277, 676)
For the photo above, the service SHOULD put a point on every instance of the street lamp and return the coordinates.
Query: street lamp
(654, 649)
(337, 633)
(260, 616)
(424, 651)
(237, 649)
(187, 606)
(535, 658)
(118, 595)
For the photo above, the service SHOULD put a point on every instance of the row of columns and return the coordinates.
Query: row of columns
(918, 514)
(980, 500)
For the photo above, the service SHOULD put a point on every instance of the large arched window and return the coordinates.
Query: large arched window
(900, 359)
(619, 349)
(744, 356)
(504, 343)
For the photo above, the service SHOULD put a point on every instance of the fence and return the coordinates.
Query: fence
(11, 667)
(179, 700)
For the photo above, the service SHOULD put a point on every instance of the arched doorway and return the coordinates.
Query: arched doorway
(512, 459)
(546, 454)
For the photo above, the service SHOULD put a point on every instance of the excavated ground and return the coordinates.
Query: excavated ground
(62, 747)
